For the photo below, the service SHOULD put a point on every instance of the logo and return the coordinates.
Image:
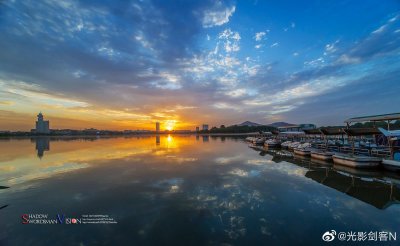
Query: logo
(329, 236)
(25, 219)
(64, 220)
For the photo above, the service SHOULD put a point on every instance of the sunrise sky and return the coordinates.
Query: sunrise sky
(127, 64)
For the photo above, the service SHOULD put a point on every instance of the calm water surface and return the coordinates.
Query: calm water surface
(184, 190)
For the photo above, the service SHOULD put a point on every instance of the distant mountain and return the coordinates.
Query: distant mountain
(249, 123)
(279, 124)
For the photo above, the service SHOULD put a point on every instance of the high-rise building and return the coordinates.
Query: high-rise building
(205, 127)
(157, 126)
(197, 129)
(42, 126)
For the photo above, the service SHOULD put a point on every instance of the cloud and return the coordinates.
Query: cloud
(259, 36)
(218, 15)
(145, 58)
(331, 48)
(379, 42)
(230, 40)
(274, 45)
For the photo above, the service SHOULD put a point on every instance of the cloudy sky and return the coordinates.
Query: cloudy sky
(127, 64)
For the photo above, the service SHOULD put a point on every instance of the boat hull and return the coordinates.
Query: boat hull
(357, 161)
(391, 165)
(272, 145)
(323, 156)
(302, 152)
(258, 142)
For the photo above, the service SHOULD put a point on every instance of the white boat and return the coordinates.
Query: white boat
(356, 161)
(303, 149)
(286, 144)
(293, 145)
(259, 141)
(321, 155)
(392, 165)
(272, 143)
(249, 139)
(302, 152)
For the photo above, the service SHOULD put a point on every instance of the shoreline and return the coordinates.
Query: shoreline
(129, 135)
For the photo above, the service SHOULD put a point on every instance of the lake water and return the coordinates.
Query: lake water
(183, 190)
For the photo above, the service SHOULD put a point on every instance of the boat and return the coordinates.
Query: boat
(303, 149)
(293, 145)
(321, 155)
(286, 144)
(272, 143)
(391, 164)
(259, 141)
(356, 161)
(302, 152)
(249, 139)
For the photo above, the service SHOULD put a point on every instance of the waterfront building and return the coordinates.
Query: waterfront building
(42, 126)
(197, 129)
(157, 126)
(205, 127)
(296, 128)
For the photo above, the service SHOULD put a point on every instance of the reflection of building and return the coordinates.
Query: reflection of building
(158, 140)
(157, 126)
(42, 126)
(205, 138)
(42, 145)
(205, 127)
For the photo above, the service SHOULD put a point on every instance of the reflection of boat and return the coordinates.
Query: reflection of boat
(379, 194)
(321, 162)
(364, 173)
(3, 206)
(356, 161)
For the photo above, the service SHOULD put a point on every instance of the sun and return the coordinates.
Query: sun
(170, 124)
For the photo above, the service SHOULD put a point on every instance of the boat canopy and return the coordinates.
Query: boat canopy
(381, 117)
(332, 131)
(395, 133)
(292, 133)
(362, 131)
(312, 131)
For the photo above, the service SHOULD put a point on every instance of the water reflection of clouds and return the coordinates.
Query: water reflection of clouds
(228, 159)
(251, 197)
(242, 173)
(259, 161)
(29, 167)
(58, 160)
(170, 185)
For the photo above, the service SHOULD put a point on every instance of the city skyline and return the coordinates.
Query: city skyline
(130, 64)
